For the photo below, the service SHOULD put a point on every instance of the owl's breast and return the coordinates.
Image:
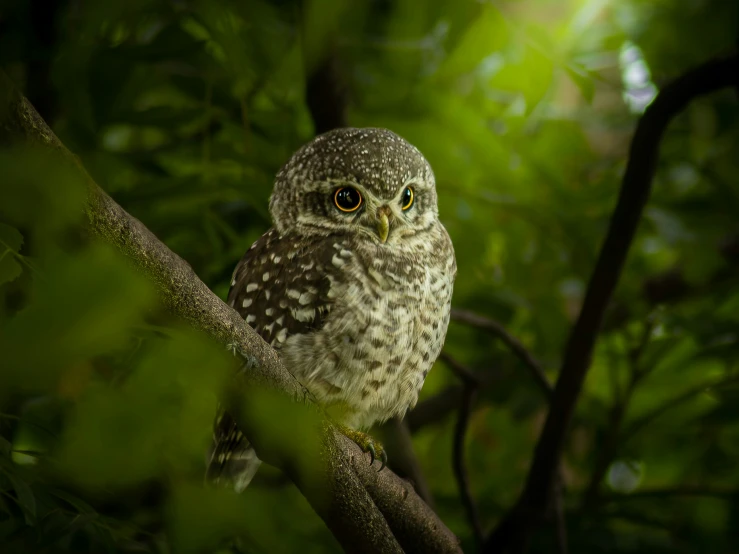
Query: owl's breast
(388, 321)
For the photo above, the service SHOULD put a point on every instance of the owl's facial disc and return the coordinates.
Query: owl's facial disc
(367, 182)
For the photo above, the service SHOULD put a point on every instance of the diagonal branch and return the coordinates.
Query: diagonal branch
(367, 511)
(460, 471)
(434, 409)
(398, 441)
(513, 532)
(470, 386)
(515, 346)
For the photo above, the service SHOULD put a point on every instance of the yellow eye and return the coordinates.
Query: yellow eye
(407, 198)
(347, 199)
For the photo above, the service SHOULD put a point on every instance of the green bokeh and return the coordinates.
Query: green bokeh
(184, 111)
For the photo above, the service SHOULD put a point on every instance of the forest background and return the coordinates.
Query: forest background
(183, 111)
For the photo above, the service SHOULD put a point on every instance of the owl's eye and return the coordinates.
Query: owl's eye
(347, 199)
(406, 200)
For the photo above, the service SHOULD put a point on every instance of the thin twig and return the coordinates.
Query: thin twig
(470, 385)
(460, 470)
(466, 375)
(397, 439)
(434, 409)
(635, 355)
(514, 345)
(437, 407)
(609, 447)
(515, 530)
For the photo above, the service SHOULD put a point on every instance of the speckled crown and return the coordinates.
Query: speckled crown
(377, 158)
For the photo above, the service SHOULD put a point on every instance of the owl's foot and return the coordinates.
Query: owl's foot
(367, 444)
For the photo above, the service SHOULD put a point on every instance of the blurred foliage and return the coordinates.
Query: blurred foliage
(184, 110)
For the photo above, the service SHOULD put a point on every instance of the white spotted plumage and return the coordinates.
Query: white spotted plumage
(357, 320)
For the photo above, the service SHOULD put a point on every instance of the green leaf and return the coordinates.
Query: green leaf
(583, 81)
(25, 496)
(201, 518)
(9, 268)
(77, 503)
(5, 447)
(82, 308)
(159, 420)
(5, 508)
(10, 244)
(10, 237)
(484, 36)
(28, 201)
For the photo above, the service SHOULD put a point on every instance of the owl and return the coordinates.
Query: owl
(352, 286)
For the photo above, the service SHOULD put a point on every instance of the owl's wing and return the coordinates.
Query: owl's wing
(280, 288)
(232, 459)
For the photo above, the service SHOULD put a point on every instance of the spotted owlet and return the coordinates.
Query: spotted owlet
(352, 286)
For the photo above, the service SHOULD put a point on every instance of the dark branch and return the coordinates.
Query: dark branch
(469, 391)
(326, 95)
(434, 409)
(397, 439)
(437, 407)
(560, 521)
(607, 450)
(460, 471)
(496, 329)
(463, 373)
(515, 529)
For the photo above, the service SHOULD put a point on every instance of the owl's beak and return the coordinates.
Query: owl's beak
(383, 223)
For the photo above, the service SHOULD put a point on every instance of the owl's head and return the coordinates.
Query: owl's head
(369, 182)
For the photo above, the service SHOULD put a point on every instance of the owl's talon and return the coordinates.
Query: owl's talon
(383, 459)
(367, 444)
(371, 449)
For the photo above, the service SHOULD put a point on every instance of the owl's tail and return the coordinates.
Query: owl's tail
(232, 462)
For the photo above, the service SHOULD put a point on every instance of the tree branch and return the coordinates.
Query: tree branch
(469, 391)
(366, 511)
(434, 409)
(326, 95)
(397, 439)
(560, 521)
(606, 451)
(437, 407)
(460, 471)
(513, 532)
(520, 351)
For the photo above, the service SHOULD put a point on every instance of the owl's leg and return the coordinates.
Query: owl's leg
(367, 444)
